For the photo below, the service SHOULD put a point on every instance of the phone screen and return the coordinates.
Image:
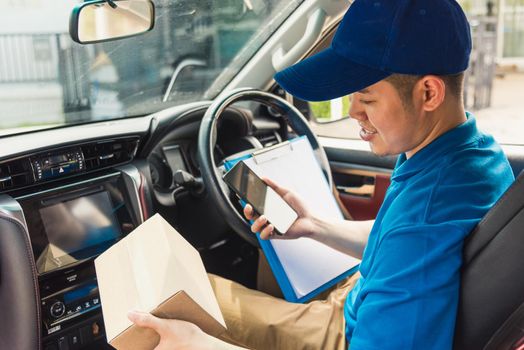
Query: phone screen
(263, 198)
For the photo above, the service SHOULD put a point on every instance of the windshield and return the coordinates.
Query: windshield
(194, 50)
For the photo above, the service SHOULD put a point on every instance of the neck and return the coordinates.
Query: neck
(446, 117)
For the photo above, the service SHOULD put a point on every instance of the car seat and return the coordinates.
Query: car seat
(20, 319)
(491, 306)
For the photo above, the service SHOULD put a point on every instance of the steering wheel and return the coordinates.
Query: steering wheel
(212, 173)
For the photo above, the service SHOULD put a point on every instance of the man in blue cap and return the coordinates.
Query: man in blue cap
(403, 61)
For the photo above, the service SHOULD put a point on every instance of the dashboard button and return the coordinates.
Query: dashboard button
(74, 341)
(63, 343)
(57, 309)
(77, 308)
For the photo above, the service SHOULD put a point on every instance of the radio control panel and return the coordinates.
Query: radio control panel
(66, 305)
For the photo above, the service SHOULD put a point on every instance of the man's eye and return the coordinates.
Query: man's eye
(366, 102)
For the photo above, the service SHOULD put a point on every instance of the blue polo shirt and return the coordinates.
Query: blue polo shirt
(408, 294)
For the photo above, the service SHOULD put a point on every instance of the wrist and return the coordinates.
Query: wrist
(318, 228)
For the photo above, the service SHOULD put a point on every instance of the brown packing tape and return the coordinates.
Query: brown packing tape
(181, 307)
(136, 338)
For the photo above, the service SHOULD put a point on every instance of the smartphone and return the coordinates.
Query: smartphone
(264, 200)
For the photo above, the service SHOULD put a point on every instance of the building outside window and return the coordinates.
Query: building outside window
(510, 28)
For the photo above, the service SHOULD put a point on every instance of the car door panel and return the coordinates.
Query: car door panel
(364, 197)
(361, 178)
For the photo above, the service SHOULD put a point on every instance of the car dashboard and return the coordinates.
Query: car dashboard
(76, 190)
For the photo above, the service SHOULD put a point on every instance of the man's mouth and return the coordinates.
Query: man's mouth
(367, 134)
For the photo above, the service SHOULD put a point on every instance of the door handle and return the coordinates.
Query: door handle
(362, 191)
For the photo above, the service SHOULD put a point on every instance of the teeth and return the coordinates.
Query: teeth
(368, 132)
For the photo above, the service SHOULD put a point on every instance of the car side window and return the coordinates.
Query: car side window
(331, 118)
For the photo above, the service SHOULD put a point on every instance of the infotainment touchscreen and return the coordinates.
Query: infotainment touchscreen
(75, 229)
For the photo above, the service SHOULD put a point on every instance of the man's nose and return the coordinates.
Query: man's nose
(356, 110)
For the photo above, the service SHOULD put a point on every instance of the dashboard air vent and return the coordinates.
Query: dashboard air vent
(109, 153)
(268, 138)
(15, 174)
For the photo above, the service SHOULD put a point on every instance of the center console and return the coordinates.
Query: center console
(69, 225)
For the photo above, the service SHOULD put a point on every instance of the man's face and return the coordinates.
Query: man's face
(388, 126)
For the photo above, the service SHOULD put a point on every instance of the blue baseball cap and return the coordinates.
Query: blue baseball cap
(377, 38)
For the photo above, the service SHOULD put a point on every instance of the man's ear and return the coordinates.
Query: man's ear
(430, 91)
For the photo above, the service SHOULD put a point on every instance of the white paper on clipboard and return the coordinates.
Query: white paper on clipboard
(295, 167)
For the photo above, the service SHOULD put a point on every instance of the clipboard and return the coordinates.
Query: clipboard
(300, 279)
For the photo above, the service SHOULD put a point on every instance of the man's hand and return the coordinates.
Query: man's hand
(303, 226)
(176, 334)
(349, 237)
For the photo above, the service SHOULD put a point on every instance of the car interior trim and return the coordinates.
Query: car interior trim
(256, 71)
(357, 169)
(346, 144)
(78, 134)
(11, 207)
(71, 185)
(133, 182)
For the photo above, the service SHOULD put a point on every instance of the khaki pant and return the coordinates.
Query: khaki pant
(259, 321)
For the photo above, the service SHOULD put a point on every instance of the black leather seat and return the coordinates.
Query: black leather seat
(20, 306)
(491, 307)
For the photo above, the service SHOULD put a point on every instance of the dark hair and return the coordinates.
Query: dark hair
(404, 84)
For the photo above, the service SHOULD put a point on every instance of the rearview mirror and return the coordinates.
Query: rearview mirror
(104, 20)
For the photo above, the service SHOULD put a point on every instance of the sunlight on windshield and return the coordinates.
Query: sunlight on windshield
(46, 79)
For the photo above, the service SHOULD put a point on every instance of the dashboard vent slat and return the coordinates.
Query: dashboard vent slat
(16, 173)
(110, 153)
(268, 138)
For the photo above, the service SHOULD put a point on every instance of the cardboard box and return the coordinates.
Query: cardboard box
(154, 269)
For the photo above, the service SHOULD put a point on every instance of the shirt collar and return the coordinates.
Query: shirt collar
(460, 135)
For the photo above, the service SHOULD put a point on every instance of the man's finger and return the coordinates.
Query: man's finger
(258, 224)
(146, 320)
(267, 232)
(249, 212)
(282, 191)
